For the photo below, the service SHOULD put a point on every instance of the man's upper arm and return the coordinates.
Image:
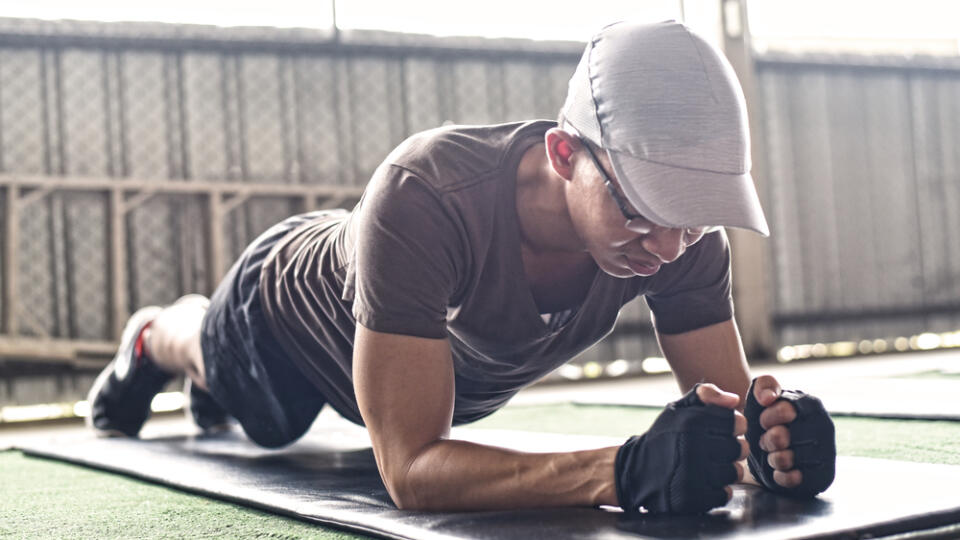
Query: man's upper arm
(409, 257)
(405, 390)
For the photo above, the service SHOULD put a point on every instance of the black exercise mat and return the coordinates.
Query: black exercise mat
(330, 477)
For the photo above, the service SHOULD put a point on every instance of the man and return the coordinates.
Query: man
(480, 259)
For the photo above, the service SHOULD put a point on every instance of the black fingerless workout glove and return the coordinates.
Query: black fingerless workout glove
(684, 461)
(812, 439)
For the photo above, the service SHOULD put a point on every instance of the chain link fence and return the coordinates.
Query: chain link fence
(116, 142)
(145, 108)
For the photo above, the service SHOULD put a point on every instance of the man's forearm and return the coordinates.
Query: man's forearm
(711, 354)
(460, 475)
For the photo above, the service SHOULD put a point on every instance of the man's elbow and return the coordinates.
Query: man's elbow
(411, 503)
(407, 493)
(417, 484)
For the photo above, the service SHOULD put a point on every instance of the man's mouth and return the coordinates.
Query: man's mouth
(641, 268)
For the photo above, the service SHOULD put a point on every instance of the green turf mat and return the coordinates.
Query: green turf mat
(51, 499)
(48, 499)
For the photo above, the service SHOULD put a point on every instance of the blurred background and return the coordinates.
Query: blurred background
(142, 147)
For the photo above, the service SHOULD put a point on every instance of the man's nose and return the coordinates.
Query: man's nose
(667, 244)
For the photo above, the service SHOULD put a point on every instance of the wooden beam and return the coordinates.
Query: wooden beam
(82, 183)
(34, 196)
(230, 202)
(215, 249)
(81, 353)
(124, 195)
(118, 262)
(138, 200)
(11, 228)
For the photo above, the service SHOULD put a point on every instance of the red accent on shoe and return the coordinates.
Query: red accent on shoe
(138, 346)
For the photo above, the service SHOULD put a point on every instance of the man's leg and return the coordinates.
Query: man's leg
(223, 346)
(158, 343)
(172, 341)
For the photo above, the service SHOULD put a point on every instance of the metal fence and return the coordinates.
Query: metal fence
(137, 160)
(864, 170)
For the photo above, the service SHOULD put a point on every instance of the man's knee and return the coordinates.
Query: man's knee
(271, 436)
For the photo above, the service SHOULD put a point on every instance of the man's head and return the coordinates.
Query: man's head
(667, 110)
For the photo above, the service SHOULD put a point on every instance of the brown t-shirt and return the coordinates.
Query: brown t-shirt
(433, 250)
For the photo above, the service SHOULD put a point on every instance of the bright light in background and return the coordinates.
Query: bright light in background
(864, 19)
(553, 19)
(281, 13)
(617, 368)
(162, 402)
(926, 341)
(915, 26)
(655, 364)
(868, 25)
(556, 19)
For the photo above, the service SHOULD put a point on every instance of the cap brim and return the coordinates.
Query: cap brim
(679, 197)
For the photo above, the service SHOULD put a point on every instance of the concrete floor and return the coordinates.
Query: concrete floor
(893, 385)
(923, 384)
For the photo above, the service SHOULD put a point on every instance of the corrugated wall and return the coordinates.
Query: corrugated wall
(270, 106)
(175, 104)
(863, 161)
(864, 170)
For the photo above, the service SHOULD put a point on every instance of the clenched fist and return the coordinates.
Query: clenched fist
(687, 460)
(792, 439)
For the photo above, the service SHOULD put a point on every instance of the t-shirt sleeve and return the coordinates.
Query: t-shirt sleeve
(408, 256)
(695, 290)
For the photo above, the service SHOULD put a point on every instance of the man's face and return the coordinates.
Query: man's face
(623, 243)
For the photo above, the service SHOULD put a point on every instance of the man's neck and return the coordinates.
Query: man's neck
(557, 267)
(545, 224)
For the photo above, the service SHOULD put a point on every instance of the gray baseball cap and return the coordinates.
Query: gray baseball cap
(669, 111)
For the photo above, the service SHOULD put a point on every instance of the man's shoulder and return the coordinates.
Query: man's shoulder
(451, 155)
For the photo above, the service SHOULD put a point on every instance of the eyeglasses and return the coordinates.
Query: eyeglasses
(636, 222)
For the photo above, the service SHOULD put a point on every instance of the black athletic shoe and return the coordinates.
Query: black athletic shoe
(206, 413)
(121, 395)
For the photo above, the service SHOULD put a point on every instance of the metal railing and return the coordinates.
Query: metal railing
(21, 339)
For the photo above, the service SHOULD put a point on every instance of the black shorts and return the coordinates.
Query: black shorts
(247, 372)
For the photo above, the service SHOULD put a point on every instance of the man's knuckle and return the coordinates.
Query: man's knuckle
(785, 459)
(795, 478)
(775, 438)
(768, 418)
(783, 408)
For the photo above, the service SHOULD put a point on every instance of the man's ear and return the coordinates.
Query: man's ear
(561, 147)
